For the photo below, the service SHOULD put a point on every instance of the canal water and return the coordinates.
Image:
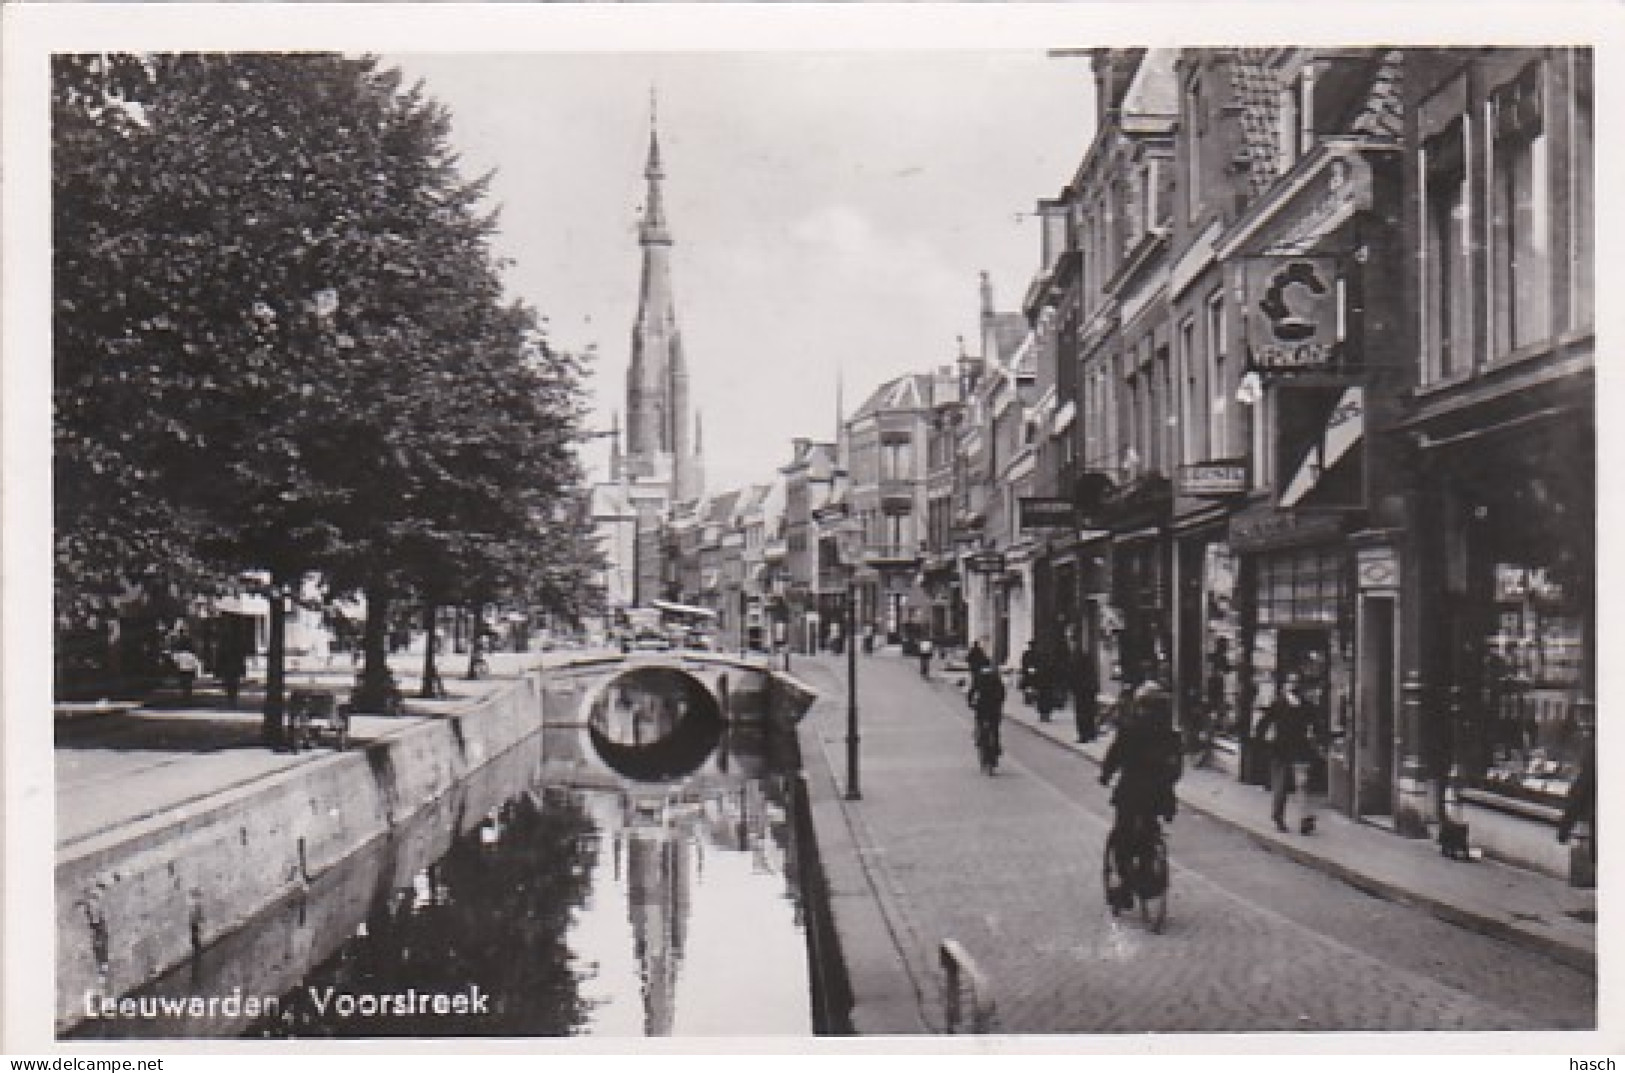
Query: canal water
(643, 874)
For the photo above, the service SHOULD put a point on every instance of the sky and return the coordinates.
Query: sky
(831, 212)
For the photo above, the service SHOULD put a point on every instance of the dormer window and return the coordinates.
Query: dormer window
(1297, 126)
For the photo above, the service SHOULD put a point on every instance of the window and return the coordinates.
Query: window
(1447, 251)
(896, 458)
(1195, 128)
(1218, 380)
(1583, 219)
(1168, 431)
(1190, 401)
(1520, 214)
(1305, 588)
(1151, 203)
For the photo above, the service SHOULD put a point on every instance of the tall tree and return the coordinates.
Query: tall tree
(281, 339)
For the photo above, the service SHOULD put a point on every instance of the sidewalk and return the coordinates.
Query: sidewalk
(1519, 906)
(123, 763)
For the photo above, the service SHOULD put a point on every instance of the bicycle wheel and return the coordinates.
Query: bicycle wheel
(1154, 886)
(1108, 874)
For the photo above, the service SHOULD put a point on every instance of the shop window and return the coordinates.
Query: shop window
(1306, 588)
(1520, 214)
(1534, 671)
(1447, 253)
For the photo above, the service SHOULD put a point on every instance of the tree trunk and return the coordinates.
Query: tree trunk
(431, 676)
(376, 684)
(476, 644)
(272, 729)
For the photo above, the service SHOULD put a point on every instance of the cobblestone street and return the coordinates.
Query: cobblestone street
(1010, 867)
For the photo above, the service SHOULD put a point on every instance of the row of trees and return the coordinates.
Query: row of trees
(282, 344)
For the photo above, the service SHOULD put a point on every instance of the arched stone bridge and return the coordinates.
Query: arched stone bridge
(667, 716)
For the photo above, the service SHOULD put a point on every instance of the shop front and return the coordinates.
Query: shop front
(1141, 579)
(1516, 631)
(1297, 617)
(1207, 635)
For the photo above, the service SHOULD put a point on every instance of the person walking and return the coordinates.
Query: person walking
(925, 648)
(1581, 806)
(1085, 693)
(231, 661)
(1031, 670)
(976, 659)
(1288, 729)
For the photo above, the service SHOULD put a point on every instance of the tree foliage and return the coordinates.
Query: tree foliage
(281, 339)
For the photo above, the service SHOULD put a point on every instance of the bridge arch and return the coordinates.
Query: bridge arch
(654, 722)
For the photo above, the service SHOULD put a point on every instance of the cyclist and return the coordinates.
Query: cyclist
(1146, 751)
(986, 699)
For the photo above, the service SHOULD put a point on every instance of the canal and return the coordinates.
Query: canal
(646, 872)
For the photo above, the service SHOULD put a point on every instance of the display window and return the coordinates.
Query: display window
(1534, 671)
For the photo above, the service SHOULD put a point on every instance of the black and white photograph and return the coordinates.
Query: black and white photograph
(775, 525)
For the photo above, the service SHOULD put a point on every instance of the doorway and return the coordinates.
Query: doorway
(1373, 732)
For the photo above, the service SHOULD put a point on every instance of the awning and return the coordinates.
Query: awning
(683, 609)
(1063, 418)
(1344, 428)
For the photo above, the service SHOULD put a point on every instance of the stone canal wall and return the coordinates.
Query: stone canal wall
(139, 901)
(136, 901)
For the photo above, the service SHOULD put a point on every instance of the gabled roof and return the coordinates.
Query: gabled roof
(751, 499)
(909, 392)
(610, 501)
(1155, 90)
(720, 508)
(1006, 331)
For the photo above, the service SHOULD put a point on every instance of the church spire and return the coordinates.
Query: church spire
(654, 208)
(659, 433)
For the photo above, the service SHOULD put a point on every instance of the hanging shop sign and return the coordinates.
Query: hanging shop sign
(1221, 478)
(1267, 527)
(1044, 512)
(986, 562)
(1294, 315)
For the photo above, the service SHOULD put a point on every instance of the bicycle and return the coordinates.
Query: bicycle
(986, 737)
(1148, 885)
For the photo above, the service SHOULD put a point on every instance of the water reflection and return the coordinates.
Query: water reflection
(655, 723)
(595, 903)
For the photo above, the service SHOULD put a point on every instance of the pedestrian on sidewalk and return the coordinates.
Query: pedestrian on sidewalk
(1085, 692)
(1031, 671)
(925, 657)
(1288, 730)
(1581, 806)
(976, 660)
(232, 661)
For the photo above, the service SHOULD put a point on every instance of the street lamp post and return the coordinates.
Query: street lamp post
(853, 791)
(851, 540)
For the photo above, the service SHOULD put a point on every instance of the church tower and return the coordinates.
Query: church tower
(658, 447)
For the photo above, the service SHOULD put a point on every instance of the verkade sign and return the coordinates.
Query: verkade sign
(1292, 321)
